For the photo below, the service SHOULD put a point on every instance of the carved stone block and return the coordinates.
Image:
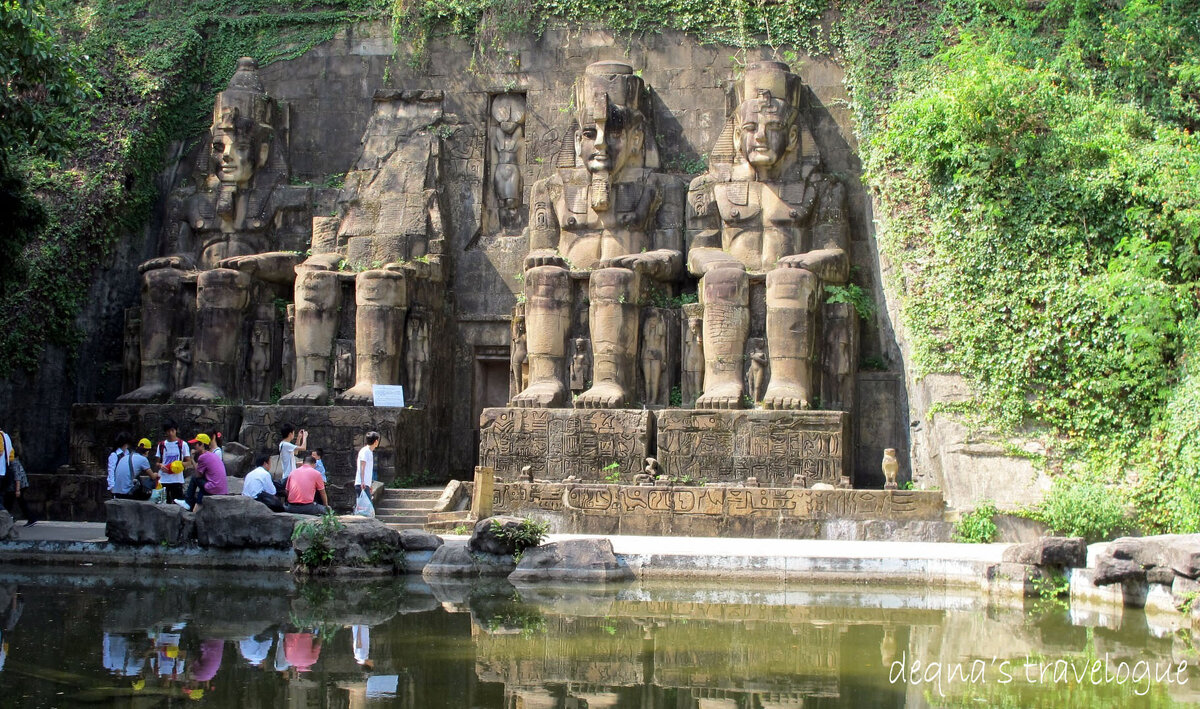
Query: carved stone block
(94, 427)
(558, 443)
(773, 446)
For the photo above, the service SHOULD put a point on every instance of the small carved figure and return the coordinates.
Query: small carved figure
(643, 480)
(343, 366)
(527, 473)
(751, 482)
(517, 355)
(693, 360)
(757, 373)
(653, 357)
(891, 468)
(581, 365)
(653, 467)
(507, 133)
(418, 355)
(288, 365)
(260, 360)
(131, 358)
(183, 361)
(798, 480)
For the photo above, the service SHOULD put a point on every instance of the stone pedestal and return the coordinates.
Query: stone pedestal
(94, 427)
(772, 446)
(559, 443)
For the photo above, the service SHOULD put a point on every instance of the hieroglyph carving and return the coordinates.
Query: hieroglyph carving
(562, 442)
(770, 446)
(606, 210)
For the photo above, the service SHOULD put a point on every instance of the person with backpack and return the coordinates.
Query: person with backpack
(124, 467)
(172, 448)
(14, 495)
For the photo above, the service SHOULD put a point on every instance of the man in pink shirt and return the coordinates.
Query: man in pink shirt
(304, 485)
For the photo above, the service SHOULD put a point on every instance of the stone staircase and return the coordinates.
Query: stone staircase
(407, 508)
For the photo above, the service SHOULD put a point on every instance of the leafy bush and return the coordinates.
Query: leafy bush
(977, 526)
(1081, 508)
(316, 538)
(524, 536)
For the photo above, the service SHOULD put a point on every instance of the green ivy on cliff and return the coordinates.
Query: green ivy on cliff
(1038, 173)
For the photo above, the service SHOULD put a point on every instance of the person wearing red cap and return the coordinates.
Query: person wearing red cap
(209, 478)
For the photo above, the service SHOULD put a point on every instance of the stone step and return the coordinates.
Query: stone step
(392, 504)
(400, 527)
(418, 493)
(401, 519)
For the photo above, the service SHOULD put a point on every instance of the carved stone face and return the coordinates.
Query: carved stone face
(233, 157)
(609, 145)
(764, 136)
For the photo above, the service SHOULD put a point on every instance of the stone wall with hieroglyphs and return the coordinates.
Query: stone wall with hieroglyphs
(559, 443)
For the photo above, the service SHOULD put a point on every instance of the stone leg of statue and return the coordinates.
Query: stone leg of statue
(726, 296)
(160, 301)
(382, 299)
(791, 311)
(615, 326)
(547, 322)
(318, 300)
(221, 298)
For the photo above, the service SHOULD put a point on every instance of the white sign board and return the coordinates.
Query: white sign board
(388, 395)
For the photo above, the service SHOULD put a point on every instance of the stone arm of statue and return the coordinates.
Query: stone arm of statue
(660, 264)
(704, 229)
(830, 258)
(273, 267)
(544, 232)
(178, 261)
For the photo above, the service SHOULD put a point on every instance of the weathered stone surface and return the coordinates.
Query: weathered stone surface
(458, 561)
(1183, 555)
(134, 522)
(485, 540)
(1110, 570)
(773, 446)
(1160, 575)
(453, 498)
(1065, 552)
(573, 560)
(237, 522)
(67, 496)
(94, 427)
(558, 443)
(8, 531)
(1146, 551)
(362, 542)
(417, 540)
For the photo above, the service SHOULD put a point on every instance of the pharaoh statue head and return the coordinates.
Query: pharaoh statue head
(612, 125)
(242, 130)
(763, 134)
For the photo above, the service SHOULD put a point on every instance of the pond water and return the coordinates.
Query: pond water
(147, 638)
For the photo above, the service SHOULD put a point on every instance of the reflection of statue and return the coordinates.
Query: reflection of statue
(517, 354)
(581, 365)
(605, 210)
(654, 356)
(260, 360)
(389, 214)
(289, 348)
(693, 360)
(757, 375)
(507, 134)
(131, 355)
(219, 235)
(760, 208)
(183, 361)
(418, 355)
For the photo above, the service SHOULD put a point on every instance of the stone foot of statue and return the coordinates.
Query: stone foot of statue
(148, 394)
(307, 395)
(542, 394)
(358, 395)
(604, 395)
(199, 394)
(784, 395)
(727, 395)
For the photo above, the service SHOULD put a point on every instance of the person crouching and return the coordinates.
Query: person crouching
(209, 478)
(304, 485)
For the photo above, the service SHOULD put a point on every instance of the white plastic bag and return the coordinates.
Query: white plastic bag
(363, 506)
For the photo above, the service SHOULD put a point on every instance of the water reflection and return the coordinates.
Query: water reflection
(145, 639)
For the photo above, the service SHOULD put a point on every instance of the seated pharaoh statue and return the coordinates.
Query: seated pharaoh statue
(608, 212)
(228, 235)
(759, 209)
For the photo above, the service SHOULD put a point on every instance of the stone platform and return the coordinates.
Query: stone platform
(751, 512)
(691, 445)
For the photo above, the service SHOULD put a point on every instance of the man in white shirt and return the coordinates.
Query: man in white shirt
(171, 449)
(364, 470)
(259, 485)
(292, 442)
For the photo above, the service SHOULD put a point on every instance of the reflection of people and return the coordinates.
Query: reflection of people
(211, 653)
(120, 658)
(256, 648)
(12, 614)
(302, 650)
(360, 636)
(169, 658)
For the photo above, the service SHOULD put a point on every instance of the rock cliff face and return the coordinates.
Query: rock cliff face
(332, 96)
